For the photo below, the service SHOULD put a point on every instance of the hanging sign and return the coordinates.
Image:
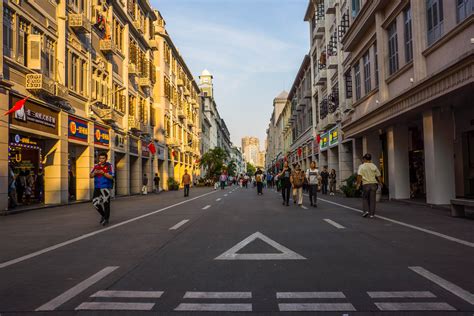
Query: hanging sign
(333, 136)
(324, 142)
(101, 136)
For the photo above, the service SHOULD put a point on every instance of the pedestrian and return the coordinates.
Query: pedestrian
(72, 185)
(269, 180)
(145, 184)
(39, 186)
(103, 174)
(324, 180)
(259, 181)
(369, 176)
(11, 189)
(29, 185)
(312, 174)
(285, 182)
(246, 181)
(332, 182)
(20, 186)
(186, 182)
(297, 180)
(223, 179)
(156, 181)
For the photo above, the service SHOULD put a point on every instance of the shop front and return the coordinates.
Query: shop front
(135, 166)
(323, 150)
(333, 151)
(80, 159)
(146, 164)
(34, 153)
(120, 162)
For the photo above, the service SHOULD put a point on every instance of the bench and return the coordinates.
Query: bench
(459, 206)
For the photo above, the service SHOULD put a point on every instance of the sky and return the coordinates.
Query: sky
(253, 48)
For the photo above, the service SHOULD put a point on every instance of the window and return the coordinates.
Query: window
(348, 84)
(376, 70)
(21, 42)
(464, 8)
(434, 15)
(408, 35)
(132, 111)
(8, 25)
(367, 78)
(355, 7)
(118, 34)
(393, 48)
(357, 81)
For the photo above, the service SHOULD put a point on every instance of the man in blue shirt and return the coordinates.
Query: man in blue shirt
(103, 174)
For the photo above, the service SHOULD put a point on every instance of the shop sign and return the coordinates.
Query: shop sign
(333, 136)
(24, 140)
(35, 116)
(324, 143)
(119, 141)
(133, 146)
(101, 136)
(145, 150)
(160, 152)
(77, 129)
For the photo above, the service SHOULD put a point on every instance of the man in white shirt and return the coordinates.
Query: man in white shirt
(312, 174)
(369, 175)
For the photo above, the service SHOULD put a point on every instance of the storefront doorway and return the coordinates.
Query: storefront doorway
(468, 153)
(416, 159)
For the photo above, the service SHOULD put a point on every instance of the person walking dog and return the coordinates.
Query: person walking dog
(369, 176)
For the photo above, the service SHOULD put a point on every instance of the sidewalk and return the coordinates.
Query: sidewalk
(438, 219)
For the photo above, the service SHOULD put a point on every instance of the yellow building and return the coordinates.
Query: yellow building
(177, 103)
(88, 70)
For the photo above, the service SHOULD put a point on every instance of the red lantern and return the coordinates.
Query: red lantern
(300, 152)
(318, 138)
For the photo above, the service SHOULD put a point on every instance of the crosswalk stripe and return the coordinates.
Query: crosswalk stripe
(312, 307)
(411, 294)
(292, 295)
(115, 306)
(419, 306)
(134, 294)
(206, 307)
(219, 295)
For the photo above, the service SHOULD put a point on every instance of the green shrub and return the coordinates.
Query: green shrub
(349, 188)
(172, 184)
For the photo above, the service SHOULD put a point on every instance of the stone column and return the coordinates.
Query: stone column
(439, 161)
(122, 171)
(358, 152)
(398, 164)
(323, 159)
(56, 165)
(84, 164)
(346, 162)
(371, 144)
(333, 161)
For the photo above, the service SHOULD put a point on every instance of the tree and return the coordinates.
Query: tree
(232, 168)
(250, 169)
(213, 161)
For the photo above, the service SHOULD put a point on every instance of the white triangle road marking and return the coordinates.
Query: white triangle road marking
(286, 254)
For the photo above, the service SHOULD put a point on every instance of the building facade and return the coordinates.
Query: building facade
(274, 144)
(251, 149)
(178, 110)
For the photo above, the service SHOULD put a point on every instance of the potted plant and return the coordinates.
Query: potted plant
(350, 189)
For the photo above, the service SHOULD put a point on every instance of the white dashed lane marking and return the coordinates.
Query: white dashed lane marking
(175, 227)
(206, 207)
(333, 223)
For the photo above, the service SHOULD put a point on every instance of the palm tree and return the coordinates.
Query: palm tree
(213, 161)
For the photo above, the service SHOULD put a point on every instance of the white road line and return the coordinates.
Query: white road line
(206, 207)
(115, 306)
(453, 288)
(175, 227)
(225, 194)
(457, 240)
(411, 294)
(132, 294)
(293, 295)
(217, 200)
(214, 307)
(102, 230)
(72, 292)
(304, 207)
(333, 223)
(218, 295)
(312, 307)
(419, 306)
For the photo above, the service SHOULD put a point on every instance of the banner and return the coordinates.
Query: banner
(77, 129)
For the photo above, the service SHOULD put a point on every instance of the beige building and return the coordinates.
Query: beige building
(251, 149)
(402, 74)
(274, 143)
(177, 103)
(89, 70)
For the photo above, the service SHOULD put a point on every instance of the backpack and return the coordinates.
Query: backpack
(298, 179)
(258, 178)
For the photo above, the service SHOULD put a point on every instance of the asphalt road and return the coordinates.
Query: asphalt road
(231, 251)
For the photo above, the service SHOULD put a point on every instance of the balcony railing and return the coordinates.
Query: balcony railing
(134, 124)
(40, 83)
(323, 108)
(106, 46)
(321, 77)
(79, 23)
(180, 114)
(330, 6)
(61, 91)
(333, 102)
(111, 115)
(144, 82)
(132, 69)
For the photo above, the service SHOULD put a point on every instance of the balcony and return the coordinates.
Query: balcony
(330, 6)
(307, 93)
(106, 46)
(138, 26)
(180, 114)
(190, 123)
(111, 115)
(321, 77)
(180, 82)
(321, 27)
(332, 62)
(346, 106)
(132, 69)
(134, 124)
(186, 92)
(61, 91)
(144, 82)
(79, 23)
(188, 149)
(301, 105)
(39, 83)
(154, 44)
